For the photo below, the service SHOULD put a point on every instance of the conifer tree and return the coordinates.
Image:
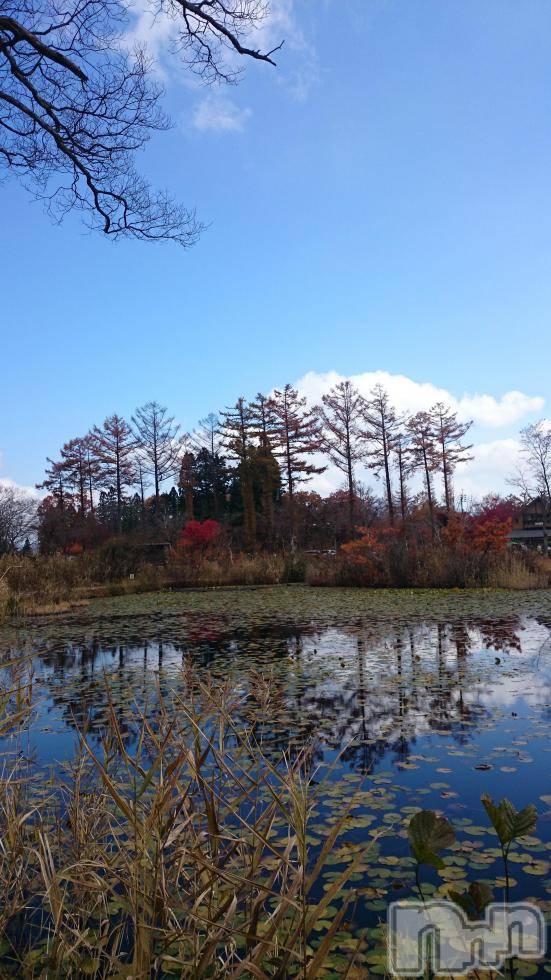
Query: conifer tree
(403, 464)
(207, 434)
(297, 437)
(55, 482)
(236, 432)
(186, 482)
(264, 427)
(158, 444)
(207, 444)
(113, 447)
(380, 426)
(341, 414)
(449, 433)
(76, 466)
(424, 454)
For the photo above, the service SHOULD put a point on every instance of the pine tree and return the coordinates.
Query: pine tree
(449, 433)
(341, 414)
(76, 465)
(113, 446)
(207, 443)
(236, 433)
(297, 437)
(380, 426)
(158, 444)
(186, 483)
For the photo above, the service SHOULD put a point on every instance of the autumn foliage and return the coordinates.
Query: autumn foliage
(200, 539)
(485, 533)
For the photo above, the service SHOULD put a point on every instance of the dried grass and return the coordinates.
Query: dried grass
(183, 855)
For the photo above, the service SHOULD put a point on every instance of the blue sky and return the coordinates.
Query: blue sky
(379, 202)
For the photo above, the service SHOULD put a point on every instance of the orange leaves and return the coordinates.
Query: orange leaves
(491, 534)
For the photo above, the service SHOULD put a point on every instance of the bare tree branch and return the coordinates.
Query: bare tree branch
(76, 105)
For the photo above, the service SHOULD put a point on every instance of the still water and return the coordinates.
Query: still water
(414, 699)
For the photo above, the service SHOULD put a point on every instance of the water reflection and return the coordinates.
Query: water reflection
(367, 689)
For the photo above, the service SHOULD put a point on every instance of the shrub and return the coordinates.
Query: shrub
(200, 539)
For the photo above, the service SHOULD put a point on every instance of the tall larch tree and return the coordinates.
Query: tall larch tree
(298, 437)
(403, 463)
(55, 482)
(158, 444)
(113, 446)
(341, 414)
(424, 454)
(380, 423)
(451, 451)
(237, 432)
(207, 434)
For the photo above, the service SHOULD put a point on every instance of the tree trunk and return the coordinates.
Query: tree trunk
(446, 475)
(403, 502)
(119, 492)
(387, 479)
(249, 514)
(429, 494)
(290, 491)
(350, 482)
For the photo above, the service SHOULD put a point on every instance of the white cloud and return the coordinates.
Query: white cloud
(495, 460)
(218, 114)
(155, 33)
(297, 65)
(12, 485)
(414, 396)
(493, 463)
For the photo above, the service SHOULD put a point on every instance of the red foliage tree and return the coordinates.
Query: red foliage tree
(200, 538)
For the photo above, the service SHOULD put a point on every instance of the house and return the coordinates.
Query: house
(532, 527)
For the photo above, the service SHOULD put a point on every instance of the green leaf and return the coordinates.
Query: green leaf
(509, 823)
(474, 900)
(428, 835)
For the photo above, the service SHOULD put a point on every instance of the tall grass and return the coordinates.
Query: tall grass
(434, 566)
(181, 852)
(56, 583)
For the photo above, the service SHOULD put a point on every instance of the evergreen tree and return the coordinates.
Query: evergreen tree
(265, 427)
(186, 483)
(237, 431)
(207, 442)
(75, 460)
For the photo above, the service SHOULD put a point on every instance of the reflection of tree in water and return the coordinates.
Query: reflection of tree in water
(500, 634)
(364, 688)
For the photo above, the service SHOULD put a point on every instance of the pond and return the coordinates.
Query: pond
(408, 699)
